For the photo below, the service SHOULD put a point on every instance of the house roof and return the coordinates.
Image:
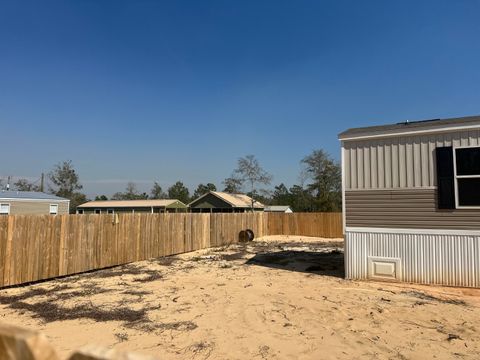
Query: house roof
(130, 203)
(279, 208)
(29, 195)
(422, 126)
(235, 200)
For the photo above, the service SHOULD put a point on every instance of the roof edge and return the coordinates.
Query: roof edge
(413, 127)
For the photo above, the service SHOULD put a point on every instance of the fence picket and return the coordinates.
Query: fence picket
(42, 246)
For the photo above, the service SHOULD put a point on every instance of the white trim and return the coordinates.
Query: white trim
(9, 208)
(43, 200)
(395, 189)
(50, 209)
(456, 177)
(412, 231)
(415, 132)
(373, 260)
(344, 216)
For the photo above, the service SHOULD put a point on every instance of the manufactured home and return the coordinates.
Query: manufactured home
(411, 201)
(132, 206)
(216, 201)
(32, 203)
(279, 209)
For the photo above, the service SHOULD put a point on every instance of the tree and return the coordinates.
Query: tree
(180, 192)
(203, 189)
(263, 196)
(131, 193)
(302, 199)
(281, 195)
(25, 185)
(101, 198)
(232, 185)
(326, 180)
(157, 192)
(65, 183)
(249, 171)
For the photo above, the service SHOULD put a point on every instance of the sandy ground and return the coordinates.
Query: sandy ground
(275, 298)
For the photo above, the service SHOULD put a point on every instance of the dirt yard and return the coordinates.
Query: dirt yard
(278, 298)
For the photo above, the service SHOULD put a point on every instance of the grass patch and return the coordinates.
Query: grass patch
(166, 261)
(137, 292)
(152, 275)
(48, 311)
(150, 326)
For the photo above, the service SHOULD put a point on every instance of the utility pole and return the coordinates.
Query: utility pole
(41, 183)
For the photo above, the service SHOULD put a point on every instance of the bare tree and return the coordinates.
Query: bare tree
(250, 172)
(131, 193)
(232, 185)
(25, 185)
(65, 183)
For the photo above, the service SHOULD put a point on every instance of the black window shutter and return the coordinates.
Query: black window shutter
(445, 178)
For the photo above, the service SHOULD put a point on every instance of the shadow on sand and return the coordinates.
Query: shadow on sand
(322, 263)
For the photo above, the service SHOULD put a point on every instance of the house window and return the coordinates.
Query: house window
(4, 209)
(80, 211)
(98, 211)
(467, 176)
(110, 211)
(53, 209)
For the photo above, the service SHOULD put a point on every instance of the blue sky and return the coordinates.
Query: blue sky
(178, 90)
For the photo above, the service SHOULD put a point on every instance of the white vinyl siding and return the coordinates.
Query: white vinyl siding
(398, 163)
(424, 256)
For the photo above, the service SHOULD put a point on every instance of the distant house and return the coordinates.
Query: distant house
(132, 206)
(215, 201)
(32, 203)
(278, 209)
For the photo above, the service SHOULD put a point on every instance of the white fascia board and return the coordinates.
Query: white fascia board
(412, 231)
(41, 200)
(413, 132)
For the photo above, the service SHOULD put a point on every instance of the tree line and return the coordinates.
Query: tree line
(319, 187)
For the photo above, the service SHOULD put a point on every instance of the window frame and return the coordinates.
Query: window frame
(50, 209)
(9, 208)
(110, 211)
(456, 177)
(97, 213)
(80, 212)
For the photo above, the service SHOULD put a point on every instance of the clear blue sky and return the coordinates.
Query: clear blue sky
(178, 90)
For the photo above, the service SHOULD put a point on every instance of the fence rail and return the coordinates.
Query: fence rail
(40, 247)
(329, 225)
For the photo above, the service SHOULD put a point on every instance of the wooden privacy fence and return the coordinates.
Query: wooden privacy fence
(329, 225)
(40, 247)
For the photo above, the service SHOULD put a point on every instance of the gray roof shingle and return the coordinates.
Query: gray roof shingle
(30, 195)
(406, 127)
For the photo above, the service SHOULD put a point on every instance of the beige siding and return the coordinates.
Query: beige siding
(35, 207)
(400, 162)
(405, 209)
